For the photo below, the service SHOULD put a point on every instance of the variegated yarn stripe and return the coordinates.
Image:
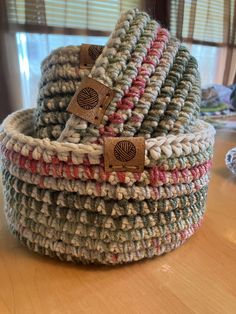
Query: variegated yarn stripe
(67, 232)
(68, 205)
(53, 83)
(166, 122)
(142, 107)
(57, 249)
(152, 176)
(90, 187)
(165, 164)
(127, 231)
(190, 109)
(18, 125)
(151, 91)
(53, 118)
(74, 201)
(124, 38)
(92, 244)
(61, 56)
(101, 222)
(129, 94)
(66, 72)
(107, 235)
(167, 93)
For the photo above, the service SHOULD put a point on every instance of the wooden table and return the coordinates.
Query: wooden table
(199, 277)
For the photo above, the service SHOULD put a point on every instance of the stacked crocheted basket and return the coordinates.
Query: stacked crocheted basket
(63, 198)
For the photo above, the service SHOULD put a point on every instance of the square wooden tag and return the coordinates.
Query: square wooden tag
(91, 100)
(124, 154)
(88, 55)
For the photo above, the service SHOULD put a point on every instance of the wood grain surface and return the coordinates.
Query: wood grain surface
(199, 277)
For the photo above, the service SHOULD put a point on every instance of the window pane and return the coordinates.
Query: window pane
(32, 49)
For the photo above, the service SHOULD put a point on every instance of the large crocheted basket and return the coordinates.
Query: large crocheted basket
(64, 196)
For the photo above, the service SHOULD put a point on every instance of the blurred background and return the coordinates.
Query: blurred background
(30, 30)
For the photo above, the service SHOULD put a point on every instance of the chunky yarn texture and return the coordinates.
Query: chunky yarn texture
(155, 79)
(60, 201)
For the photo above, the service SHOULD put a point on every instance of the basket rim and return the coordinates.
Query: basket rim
(16, 126)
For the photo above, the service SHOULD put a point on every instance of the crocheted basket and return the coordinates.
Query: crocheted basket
(155, 79)
(60, 78)
(61, 200)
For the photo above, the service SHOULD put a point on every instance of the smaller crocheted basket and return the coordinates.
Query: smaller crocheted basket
(154, 77)
(59, 201)
(69, 192)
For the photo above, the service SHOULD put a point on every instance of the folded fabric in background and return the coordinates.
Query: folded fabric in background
(216, 100)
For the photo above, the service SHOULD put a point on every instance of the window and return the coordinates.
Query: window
(43, 25)
(32, 49)
(208, 28)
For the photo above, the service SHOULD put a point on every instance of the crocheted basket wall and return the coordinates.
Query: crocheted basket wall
(59, 199)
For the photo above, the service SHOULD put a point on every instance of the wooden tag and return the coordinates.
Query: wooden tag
(124, 154)
(88, 55)
(91, 100)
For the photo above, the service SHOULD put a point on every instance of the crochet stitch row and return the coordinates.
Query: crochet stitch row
(105, 222)
(67, 252)
(119, 191)
(61, 56)
(105, 206)
(92, 244)
(110, 234)
(109, 223)
(152, 176)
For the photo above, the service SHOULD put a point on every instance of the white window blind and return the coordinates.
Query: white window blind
(73, 14)
(202, 21)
